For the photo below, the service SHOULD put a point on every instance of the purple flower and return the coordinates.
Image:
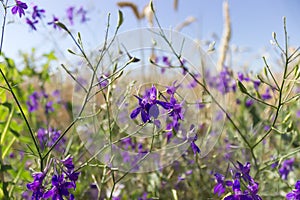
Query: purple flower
(68, 163)
(37, 185)
(103, 81)
(249, 103)
(245, 170)
(172, 89)
(286, 167)
(266, 95)
(298, 114)
(221, 184)
(37, 13)
(256, 84)
(53, 22)
(49, 107)
(83, 13)
(31, 23)
(194, 147)
(71, 174)
(49, 137)
(70, 14)
(128, 143)
(200, 105)
(32, 103)
(240, 76)
(60, 188)
(175, 111)
(19, 8)
(295, 194)
(147, 106)
(194, 83)
(166, 61)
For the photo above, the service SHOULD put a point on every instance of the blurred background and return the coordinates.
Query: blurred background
(252, 24)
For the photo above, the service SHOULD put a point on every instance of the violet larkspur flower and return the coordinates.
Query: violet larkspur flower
(245, 170)
(286, 167)
(31, 23)
(53, 22)
(256, 84)
(242, 174)
(194, 147)
(147, 106)
(83, 13)
(60, 188)
(37, 185)
(32, 103)
(175, 111)
(171, 90)
(49, 137)
(266, 95)
(19, 8)
(70, 14)
(295, 194)
(298, 114)
(221, 184)
(71, 174)
(49, 107)
(249, 103)
(37, 13)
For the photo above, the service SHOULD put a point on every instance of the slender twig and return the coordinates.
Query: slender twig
(280, 103)
(269, 70)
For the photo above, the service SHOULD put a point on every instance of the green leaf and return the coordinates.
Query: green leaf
(71, 52)
(79, 39)
(14, 132)
(5, 167)
(120, 18)
(61, 25)
(151, 6)
(242, 87)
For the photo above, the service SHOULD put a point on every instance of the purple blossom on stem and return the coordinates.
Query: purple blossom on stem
(286, 167)
(19, 8)
(298, 114)
(221, 184)
(70, 14)
(256, 84)
(49, 137)
(37, 13)
(147, 106)
(60, 188)
(175, 111)
(194, 147)
(32, 103)
(172, 89)
(37, 185)
(71, 174)
(295, 194)
(31, 23)
(166, 61)
(249, 103)
(49, 107)
(266, 95)
(83, 13)
(53, 22)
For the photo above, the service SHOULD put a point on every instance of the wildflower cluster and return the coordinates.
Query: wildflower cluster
(295, 194)
(63, 181)
(149, 110)
(47, 138)
(241, 175)
(41, 100)
(37, 14)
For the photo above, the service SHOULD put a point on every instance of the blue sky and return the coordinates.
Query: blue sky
(252, 23)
